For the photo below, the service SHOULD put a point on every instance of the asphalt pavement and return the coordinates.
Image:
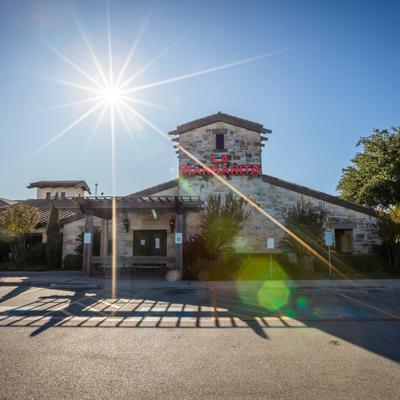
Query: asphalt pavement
(179, 342)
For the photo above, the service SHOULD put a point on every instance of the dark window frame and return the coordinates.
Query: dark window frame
(219, 142)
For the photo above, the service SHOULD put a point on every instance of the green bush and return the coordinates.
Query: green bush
(367, 263)
(96, 242)
(73, 261)
(36, 255)
(4, 251)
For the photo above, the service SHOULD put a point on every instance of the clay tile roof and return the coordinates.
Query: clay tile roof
(62, 183)
(219, 117)
(65, 214)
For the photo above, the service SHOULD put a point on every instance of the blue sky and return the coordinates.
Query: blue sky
(335, 79)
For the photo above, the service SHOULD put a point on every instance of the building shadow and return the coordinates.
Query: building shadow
(364, 318)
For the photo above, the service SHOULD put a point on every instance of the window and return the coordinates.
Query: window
(63, 195)
(48, 195)
(219, 141)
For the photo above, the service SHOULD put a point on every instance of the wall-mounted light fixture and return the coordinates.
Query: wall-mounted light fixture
(172, 223)
(126, 224)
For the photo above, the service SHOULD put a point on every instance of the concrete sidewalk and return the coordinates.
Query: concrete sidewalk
(75, 279)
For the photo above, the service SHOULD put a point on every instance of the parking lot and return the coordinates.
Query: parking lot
(199, 343)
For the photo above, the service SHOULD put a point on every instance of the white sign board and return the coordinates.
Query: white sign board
(270, 243)
(178, 238)
(157, 243)
(328, 238)
(87, 238)
(142, 242)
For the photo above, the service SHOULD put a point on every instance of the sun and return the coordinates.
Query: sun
(112, 95)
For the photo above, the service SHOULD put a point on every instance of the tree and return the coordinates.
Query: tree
(54, 240)
(16, 223)
(373, 178)
(308, 222)
(388, 229)
(221, 221)
(96, 242)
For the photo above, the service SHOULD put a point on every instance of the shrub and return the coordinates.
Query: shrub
(306, 221)
(221, 221)
(36, 255)
(366, 263)
(96, 242)
(73, 261)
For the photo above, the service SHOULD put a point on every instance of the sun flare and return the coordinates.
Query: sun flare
(112, 95)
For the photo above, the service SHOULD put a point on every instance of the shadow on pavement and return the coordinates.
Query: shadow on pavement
(367, 319)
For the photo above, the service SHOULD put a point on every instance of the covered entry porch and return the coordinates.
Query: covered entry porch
(147, 232)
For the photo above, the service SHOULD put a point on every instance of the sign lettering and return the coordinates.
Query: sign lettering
(221, 167)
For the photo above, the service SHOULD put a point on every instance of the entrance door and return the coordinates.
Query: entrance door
(343, 239)
(149, 243)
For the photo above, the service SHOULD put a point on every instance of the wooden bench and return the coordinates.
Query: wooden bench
(136, 262)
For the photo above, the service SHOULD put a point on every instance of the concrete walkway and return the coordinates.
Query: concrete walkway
(74, 279)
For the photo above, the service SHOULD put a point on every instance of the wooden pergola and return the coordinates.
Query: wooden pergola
(102, 207)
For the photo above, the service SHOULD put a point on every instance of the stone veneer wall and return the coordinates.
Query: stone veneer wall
(143, 220)
(242, 146)
(277, 201)
(71, 231)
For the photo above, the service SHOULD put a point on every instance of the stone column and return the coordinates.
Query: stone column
(88, 247)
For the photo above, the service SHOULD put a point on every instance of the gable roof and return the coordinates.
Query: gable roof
(220, 117)
(81, 184)
(277, 182)
(319, 195)
(158, 188)
(6, 202)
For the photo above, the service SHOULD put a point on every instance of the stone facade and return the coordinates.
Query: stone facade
(142, 221)
(242, 146)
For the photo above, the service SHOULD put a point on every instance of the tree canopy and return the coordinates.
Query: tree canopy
(18, 220)
(373, 178)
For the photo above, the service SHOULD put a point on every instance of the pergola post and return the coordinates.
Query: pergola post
(179, 229)
(88, 244)
(104, 238)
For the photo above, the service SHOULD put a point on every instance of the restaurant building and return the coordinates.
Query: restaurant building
(155, 221)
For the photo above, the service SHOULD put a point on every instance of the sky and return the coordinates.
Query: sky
(329, 76)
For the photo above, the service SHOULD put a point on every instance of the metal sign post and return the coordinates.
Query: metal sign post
(270, 246)
(329, 243)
